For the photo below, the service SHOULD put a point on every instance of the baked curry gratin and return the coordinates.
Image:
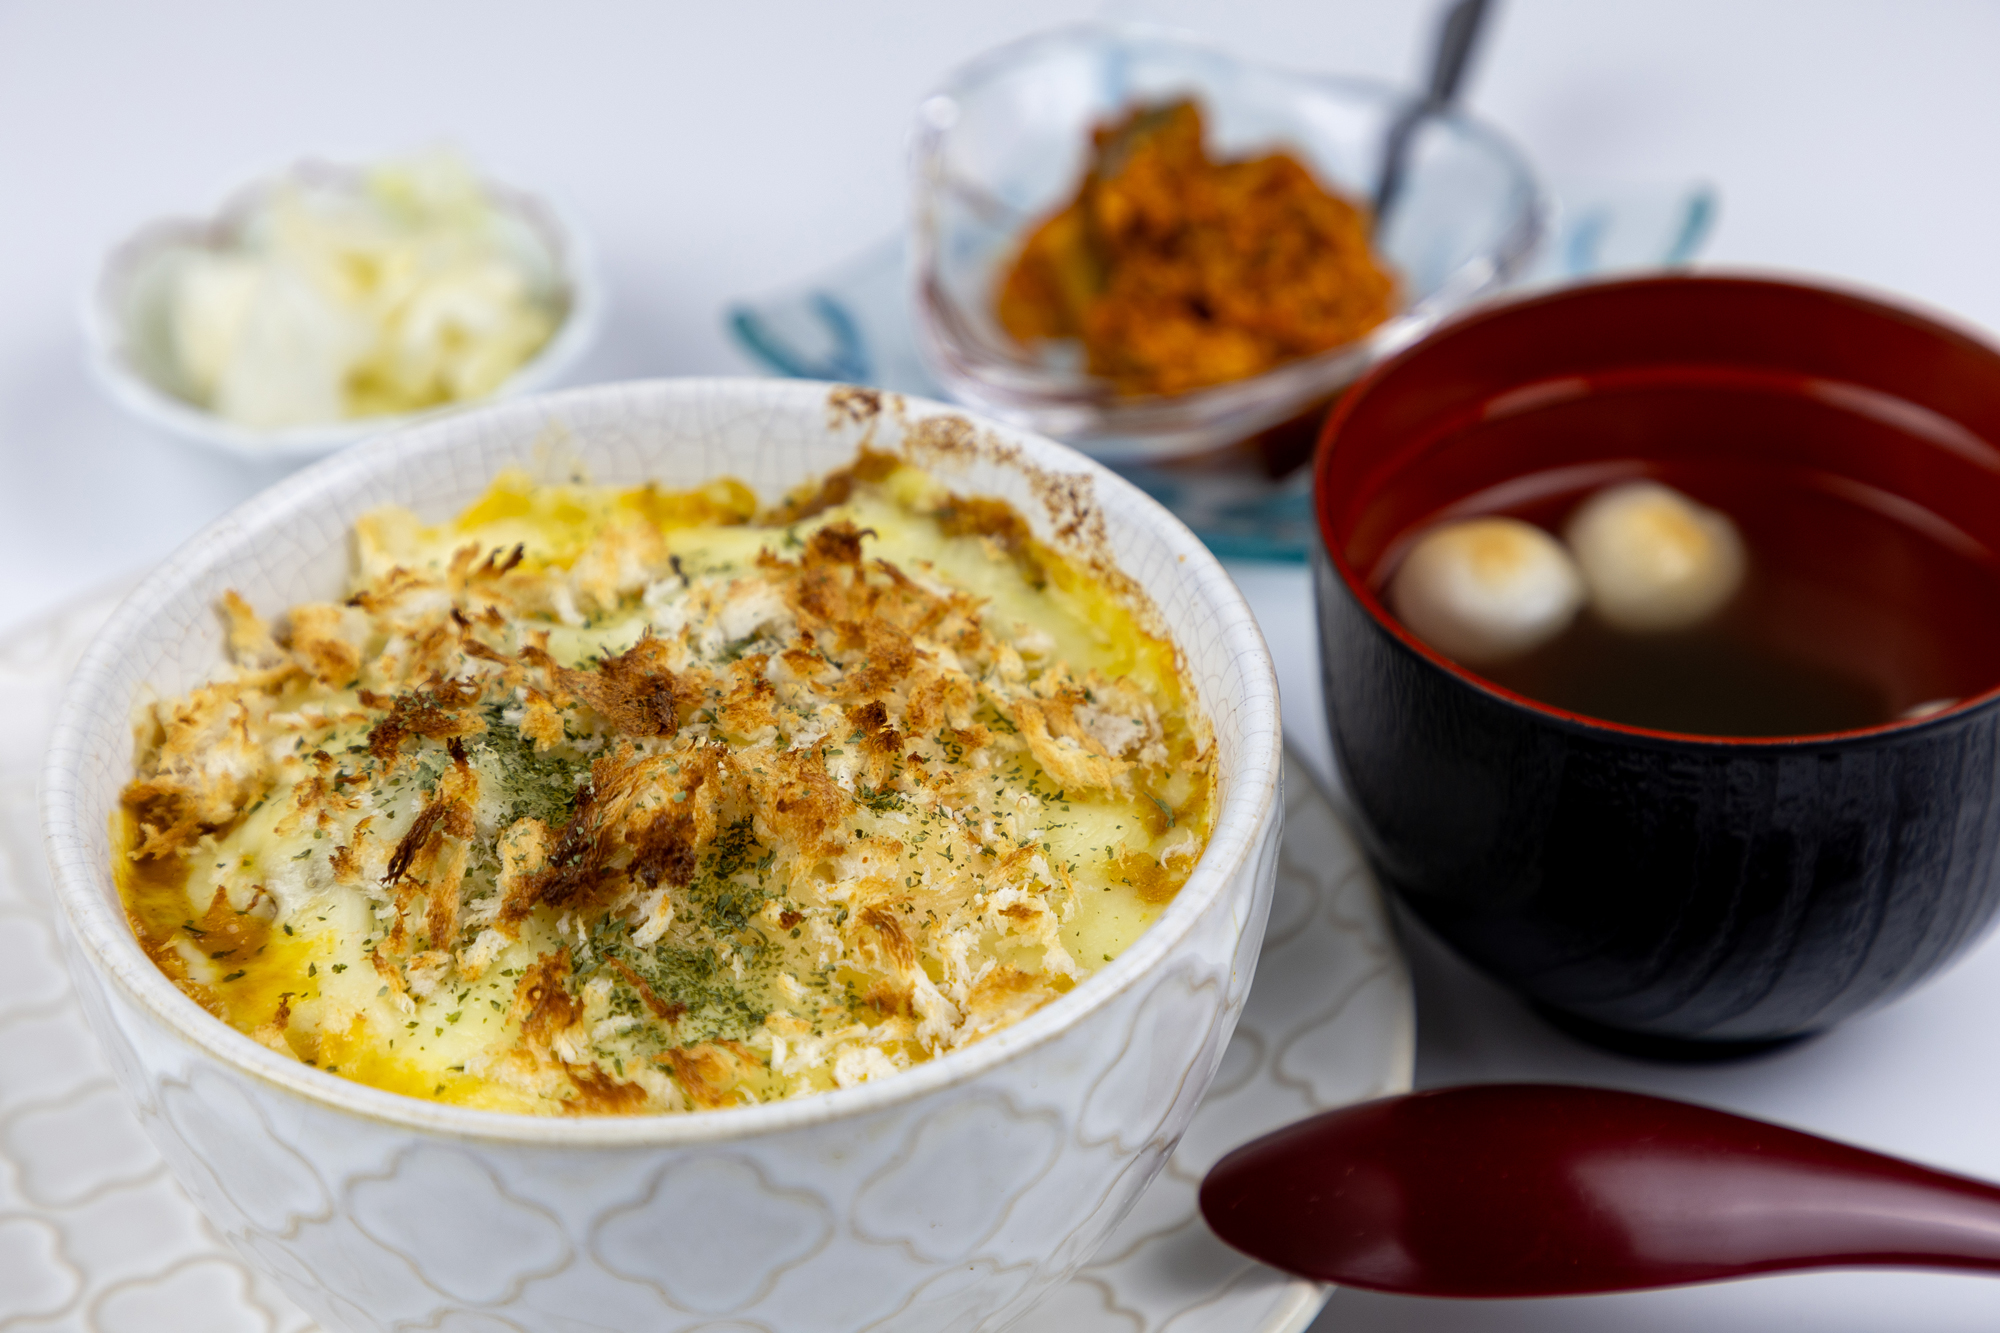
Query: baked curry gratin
(619, 801)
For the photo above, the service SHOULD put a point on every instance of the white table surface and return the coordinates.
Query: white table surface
(717, 150)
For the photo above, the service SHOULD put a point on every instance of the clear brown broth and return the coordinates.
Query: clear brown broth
(1857, 608)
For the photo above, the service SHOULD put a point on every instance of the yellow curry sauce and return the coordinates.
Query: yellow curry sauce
(618, 801)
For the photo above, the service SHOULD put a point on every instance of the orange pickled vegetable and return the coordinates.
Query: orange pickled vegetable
(1177, 271)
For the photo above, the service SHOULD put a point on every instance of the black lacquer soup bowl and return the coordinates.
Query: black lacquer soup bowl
(1681, 893)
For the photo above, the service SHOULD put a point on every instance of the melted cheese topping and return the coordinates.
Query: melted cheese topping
(619, 801)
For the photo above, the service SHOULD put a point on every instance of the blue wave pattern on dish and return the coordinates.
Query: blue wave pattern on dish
(852, 324)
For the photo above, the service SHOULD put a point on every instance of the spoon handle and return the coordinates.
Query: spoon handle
(1537, 1190)
(1456, 39)
(1458, 34)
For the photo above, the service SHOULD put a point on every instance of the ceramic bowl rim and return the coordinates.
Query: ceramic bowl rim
(1327, 550)
(108, 338)
(106, 942)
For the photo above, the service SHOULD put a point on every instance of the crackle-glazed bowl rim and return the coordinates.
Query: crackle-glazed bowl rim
(105, 940)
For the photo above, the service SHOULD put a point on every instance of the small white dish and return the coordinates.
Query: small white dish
(125, 324)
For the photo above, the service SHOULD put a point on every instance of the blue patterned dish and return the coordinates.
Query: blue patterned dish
(853, 324)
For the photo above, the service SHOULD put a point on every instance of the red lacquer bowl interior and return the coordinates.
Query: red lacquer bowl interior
(1735, 390)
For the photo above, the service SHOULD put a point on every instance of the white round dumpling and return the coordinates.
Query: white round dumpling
(1654, 559)
(1485, 590)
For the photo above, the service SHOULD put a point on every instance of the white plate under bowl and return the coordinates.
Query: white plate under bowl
(95, 1236)
(124, 328)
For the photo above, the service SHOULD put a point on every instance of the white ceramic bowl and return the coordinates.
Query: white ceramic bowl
(949, 1197)
(124, 319)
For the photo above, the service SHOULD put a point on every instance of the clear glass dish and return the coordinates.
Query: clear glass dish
(1005, 142)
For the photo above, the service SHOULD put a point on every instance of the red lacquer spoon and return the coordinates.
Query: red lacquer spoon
(1545, 1190)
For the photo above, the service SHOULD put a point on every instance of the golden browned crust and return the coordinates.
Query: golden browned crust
(635, 691)
(440, 711)
(796, 804)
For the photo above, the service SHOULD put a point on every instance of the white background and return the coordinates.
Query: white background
(721, 150)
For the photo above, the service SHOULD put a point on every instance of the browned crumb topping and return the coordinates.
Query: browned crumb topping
(647, 824)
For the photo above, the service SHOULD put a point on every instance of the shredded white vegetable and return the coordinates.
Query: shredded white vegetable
(411, 291)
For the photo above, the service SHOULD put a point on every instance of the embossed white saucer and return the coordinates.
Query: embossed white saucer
(95, 1235)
